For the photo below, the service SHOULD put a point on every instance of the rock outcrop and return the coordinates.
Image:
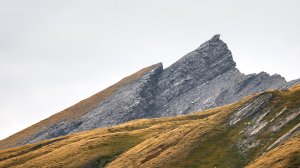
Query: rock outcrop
(261, 130)
(204, 78)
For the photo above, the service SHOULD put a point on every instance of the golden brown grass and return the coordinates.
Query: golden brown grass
(72, 112)
(143, 140)
(286, 155)
(202, 139)
(294, 88)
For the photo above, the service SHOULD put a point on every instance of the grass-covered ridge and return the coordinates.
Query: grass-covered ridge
(209, 138)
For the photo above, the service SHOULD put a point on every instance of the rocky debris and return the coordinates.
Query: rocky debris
(259, 118)
(253, 113)
(286, 136)
(204, 78)
(284, 120)
(251, 109)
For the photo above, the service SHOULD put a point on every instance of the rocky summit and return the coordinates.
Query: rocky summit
(204, 78)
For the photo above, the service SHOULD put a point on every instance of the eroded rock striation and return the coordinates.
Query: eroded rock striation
(260, 130)
(204, 78)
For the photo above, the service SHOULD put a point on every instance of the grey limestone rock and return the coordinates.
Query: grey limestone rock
(204, 78)
(258, 118)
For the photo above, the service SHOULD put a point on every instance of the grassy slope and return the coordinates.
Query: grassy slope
(197, 140)
(72, 112)
(101, 146)
(286, 155)
(211, 142)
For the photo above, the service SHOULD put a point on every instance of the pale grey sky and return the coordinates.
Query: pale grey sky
(54, 53)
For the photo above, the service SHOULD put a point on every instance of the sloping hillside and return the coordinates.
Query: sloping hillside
(286, 155)
(70, 114)
(202, 79)
(235, 135)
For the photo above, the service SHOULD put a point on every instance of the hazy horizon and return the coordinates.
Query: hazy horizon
(55, 53)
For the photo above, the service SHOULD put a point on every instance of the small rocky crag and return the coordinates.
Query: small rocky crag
(204, 78)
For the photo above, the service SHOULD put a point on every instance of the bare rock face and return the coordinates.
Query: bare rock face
(204, 78)
(181, 85)
(260, 121)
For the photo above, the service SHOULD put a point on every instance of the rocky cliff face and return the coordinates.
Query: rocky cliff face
(204, 78)
(259, 131)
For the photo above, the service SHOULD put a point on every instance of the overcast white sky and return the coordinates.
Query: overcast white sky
(54, 53)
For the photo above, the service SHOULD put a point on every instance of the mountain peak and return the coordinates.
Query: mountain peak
(203, 78)
(215, 38)
(209, 60)
(212, 43)
(213, 51)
